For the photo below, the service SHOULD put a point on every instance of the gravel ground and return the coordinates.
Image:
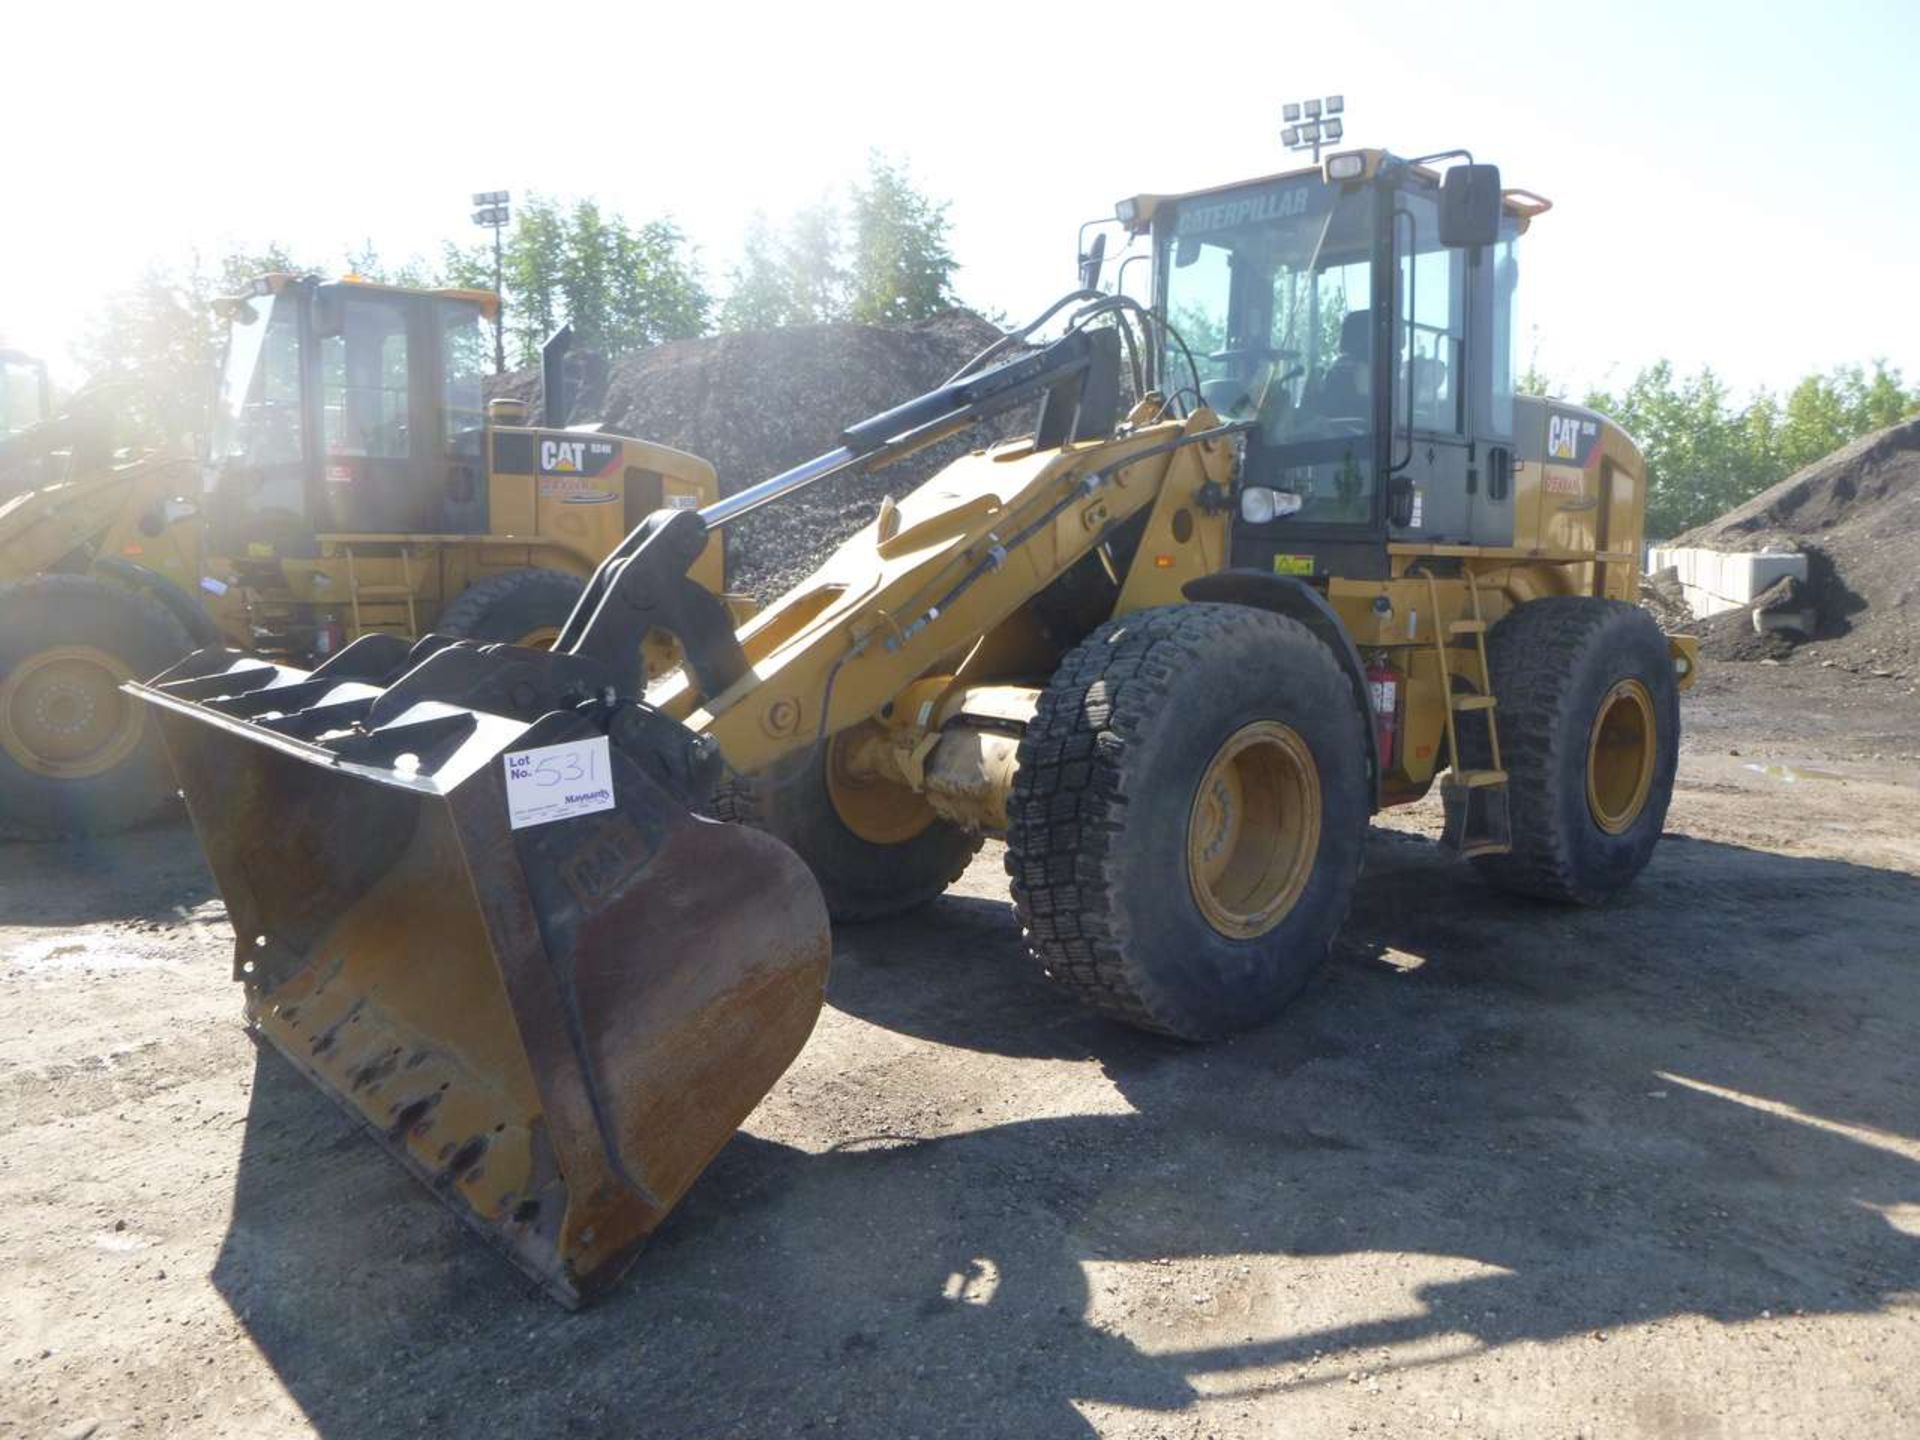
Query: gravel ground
(1505, 1170)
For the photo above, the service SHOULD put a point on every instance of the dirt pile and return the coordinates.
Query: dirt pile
(1662, 594)
(761, 402)
(1856, 515)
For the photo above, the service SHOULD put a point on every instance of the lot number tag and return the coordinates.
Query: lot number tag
(554, 782)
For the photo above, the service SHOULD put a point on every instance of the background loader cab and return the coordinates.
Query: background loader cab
(349, 407)
(358, 481)
(24, 395)
(1362, 314)
(355, 484)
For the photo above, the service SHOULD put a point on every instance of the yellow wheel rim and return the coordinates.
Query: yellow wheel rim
(62, 714)
(879, 810)
(541, 637)
(1254, 830)
(1620, 757)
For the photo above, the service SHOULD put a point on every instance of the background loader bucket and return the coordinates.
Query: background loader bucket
(555, 1026)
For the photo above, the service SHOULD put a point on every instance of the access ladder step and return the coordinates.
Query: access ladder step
(1476, 779)
(1474, 702)
(383, 592)
(1466, 627)
(1478, 821)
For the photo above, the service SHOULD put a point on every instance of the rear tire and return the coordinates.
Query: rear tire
(78, 757)
(1189, 817)
(862, 878)
(519, 607)
(1589, 723)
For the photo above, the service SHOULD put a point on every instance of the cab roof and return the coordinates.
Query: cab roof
(1523, 205)
(489, 303)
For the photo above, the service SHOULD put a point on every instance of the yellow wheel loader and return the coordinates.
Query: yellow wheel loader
(356, 484)
(1175, 645)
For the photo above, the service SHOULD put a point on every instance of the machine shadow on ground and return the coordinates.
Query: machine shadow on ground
(1571, 1122)
(154, 873)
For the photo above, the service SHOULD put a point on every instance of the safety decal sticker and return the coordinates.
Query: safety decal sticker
(1293, 565)
(573, 490)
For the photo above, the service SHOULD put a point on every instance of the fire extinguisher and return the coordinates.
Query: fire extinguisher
(1383, 696)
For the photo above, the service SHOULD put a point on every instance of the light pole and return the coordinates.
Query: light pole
(1313, 123)
(493, 215)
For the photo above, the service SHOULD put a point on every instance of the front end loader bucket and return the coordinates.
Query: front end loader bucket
(554, 1010)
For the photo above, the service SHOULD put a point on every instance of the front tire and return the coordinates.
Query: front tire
(77, 756)
(1589, 723)
(875, 848)
(1189, 816)
(518, 607)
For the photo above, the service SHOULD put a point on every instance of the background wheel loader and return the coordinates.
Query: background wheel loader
(1176, 646)
(356, 484)
(26, 399)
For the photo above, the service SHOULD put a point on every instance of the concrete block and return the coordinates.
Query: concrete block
(1717, 580)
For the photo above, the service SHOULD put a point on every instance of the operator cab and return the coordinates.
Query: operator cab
(1363, 326)
(25, 399)
(349, 408)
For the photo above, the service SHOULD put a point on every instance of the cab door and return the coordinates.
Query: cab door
(381, 437)
(461, 351)
(1430, 447)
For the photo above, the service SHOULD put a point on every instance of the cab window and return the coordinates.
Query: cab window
(466, 349)
(1506, 280)
(1270, 287)
(364, 372)
(20, 392)
(1430, 320)
(258, 419)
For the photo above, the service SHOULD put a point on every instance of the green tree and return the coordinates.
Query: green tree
(621, 287)
(588, 258)
(414, 272)
(535, 255)
(656, 290)
(466, 267)
(1882, 400)
(810, 256)
(757, 293)
(1695, 441)
(159, 343)
(901, 268)
(152, 342)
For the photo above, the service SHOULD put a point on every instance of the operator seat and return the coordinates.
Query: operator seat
(1346, 390)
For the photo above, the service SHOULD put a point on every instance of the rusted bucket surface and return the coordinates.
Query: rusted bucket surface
(554, 1024)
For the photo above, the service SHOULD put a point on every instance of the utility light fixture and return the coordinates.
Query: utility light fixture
(1313, 123)
(492, 215)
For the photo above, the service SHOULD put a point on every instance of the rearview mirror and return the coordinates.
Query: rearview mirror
(1091, 262)
(1470, 206)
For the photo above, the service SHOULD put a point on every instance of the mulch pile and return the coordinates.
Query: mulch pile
(758, 403)
(1856, 516)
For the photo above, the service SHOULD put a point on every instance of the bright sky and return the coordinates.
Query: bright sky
(1733, 182)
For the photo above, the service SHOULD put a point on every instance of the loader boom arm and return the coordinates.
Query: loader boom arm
(642, 585)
